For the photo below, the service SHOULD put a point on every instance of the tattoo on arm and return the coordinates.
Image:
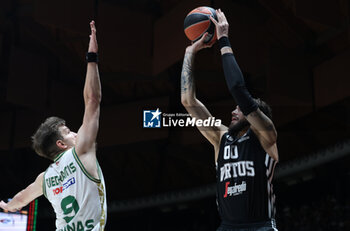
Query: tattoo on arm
(268, 126)
(186, 74)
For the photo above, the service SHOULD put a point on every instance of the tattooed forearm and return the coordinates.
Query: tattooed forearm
(264, 121)
(186, 74)
(270, 127)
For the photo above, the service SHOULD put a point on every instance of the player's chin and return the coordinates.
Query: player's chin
(233, 122)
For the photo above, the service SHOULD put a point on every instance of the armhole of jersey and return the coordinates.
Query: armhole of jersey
(221, 138)
(44, 184)
(99, 170)
(83, 168)
(256, 138)
(251, 133)
(270, 165)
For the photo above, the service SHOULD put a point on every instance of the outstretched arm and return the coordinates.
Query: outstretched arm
(92, 97)
(261, 124)
(188, 95)
(25, 196)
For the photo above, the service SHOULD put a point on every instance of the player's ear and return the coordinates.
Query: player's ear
(61, 144)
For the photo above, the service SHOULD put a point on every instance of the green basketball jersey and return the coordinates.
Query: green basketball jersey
(79, 200)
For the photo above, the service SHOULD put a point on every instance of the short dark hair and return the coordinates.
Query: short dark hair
(45, 137)
(264, 107)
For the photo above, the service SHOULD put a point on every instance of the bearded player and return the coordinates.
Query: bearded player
(74, 183)
(245, 152)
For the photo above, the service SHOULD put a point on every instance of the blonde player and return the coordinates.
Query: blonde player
(74, 182)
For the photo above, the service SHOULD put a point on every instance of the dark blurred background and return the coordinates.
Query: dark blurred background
(294, 54)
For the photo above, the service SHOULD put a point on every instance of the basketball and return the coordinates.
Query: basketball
(197, 22)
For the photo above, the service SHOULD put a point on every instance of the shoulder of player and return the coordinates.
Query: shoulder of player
(270, 148)
(220, 134)
(79, 151)
(255, 133)
(223, 132)
(40, 177)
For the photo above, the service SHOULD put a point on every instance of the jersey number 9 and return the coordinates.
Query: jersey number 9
(69, 204)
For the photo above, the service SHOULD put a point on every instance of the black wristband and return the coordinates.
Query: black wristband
(91, 57)
(224, 42)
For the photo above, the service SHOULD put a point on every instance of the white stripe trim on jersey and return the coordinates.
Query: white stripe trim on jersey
(44, 184)
(273, 171)
(270, 164)
(269, 199)
(266, 159)
(273, 223)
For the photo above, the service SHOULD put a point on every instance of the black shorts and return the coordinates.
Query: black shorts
(261, 226)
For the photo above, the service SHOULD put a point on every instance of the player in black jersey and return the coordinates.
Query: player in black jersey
(245, 152)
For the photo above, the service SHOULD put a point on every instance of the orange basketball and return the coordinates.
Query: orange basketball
(197, 22)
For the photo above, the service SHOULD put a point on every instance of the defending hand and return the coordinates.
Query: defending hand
(93, 41)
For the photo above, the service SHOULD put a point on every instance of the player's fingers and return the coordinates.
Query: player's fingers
(219, 15)
(2, 204)
(203, 37)
(223, 16)
(209, 45)
(213, 20)
(92, 26)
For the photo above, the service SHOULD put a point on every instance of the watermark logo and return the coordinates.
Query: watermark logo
(152, 118)
(157, 119)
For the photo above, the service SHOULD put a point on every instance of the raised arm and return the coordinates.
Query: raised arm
(260, 123)
(92, 97)
(188, 94)
(25, 196)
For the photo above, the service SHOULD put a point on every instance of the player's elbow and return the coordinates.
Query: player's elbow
(20, 199)
(187, 101)
(93, 99)
(272, 150)
(270, 133)
(275, 155)
(97, 96)
(272, 138)
(92, 95)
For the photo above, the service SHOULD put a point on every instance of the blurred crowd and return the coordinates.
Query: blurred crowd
(323, 215)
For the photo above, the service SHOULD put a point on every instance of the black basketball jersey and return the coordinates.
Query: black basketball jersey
(244, 173)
